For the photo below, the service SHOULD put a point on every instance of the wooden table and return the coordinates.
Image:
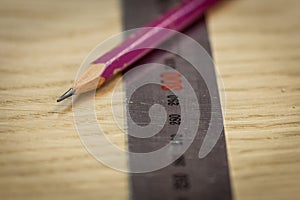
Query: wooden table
(256, 47)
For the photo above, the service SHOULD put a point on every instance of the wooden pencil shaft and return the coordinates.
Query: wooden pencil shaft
(133, 48)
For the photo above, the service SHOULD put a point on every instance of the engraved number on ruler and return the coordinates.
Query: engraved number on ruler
(172, 80)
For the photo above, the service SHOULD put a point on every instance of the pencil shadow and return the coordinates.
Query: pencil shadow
(62, 107)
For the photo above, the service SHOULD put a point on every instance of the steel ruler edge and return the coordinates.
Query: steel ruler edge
(189, 177)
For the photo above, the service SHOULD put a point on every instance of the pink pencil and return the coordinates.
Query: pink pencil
(132, 49)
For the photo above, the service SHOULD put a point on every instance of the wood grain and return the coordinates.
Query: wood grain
(256, 47)
(42, 46)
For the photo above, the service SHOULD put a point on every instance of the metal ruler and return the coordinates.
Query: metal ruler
(188, 177)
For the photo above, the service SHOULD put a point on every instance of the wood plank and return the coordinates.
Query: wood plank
(256, 47)
(42, 46)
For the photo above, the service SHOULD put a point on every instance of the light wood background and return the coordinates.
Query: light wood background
(256, 46)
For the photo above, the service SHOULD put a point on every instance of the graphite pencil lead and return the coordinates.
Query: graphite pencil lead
(69, 93)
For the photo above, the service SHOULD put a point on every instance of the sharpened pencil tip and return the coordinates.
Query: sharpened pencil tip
(69, 93)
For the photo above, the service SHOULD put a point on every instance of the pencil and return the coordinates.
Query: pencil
(130, 50)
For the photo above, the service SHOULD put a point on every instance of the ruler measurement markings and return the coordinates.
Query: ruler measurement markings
(187, 177)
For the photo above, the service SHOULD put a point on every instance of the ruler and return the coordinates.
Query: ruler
(188, 177)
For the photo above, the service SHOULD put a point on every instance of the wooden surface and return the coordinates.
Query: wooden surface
(256, 47)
